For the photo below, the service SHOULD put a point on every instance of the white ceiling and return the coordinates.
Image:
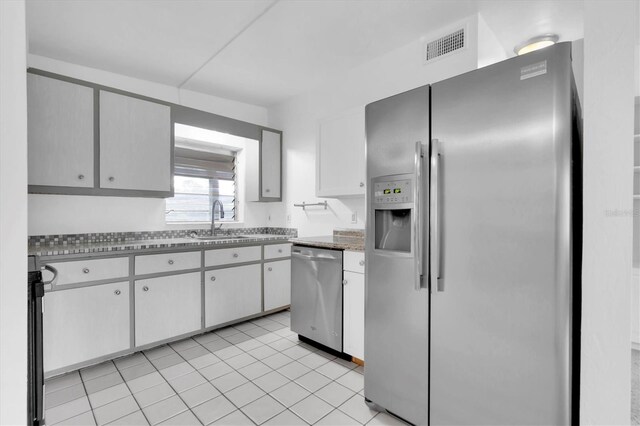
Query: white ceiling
(264, 51)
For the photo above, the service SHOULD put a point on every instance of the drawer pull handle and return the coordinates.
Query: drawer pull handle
(361, 263)
(117, 292)
(145, 288)
(85, 270)
(170, 261)
(344, 282)
(111, 178)
(270, 269)
(80, 177)
(213, 278)
(235, 254)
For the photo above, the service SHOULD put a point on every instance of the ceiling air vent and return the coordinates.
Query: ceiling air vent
(445, 45)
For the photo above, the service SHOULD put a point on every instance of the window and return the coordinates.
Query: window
(200, 178)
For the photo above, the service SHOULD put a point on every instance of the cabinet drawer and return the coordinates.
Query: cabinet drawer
(354, 261)
(232, 255)
(277, 250)
(89, 270)
(167, 262)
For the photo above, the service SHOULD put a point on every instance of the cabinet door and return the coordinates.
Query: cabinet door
(353, 311)
(231, 294)
(60, 127)
(270, 166)
(82, 324)
(340, 156)
(167, 307)
(135, 143)
(277, 284)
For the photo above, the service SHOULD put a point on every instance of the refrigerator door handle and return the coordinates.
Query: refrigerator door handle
(434, 234)
(417, 218)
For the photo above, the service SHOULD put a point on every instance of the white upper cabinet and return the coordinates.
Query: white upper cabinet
(264, 168)
(340, 156)
(271, 164)
(135, 143)
(60, 128)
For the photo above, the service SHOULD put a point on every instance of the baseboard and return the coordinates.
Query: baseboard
(635, 345)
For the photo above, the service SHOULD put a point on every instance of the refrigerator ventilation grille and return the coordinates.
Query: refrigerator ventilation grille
(445, 45)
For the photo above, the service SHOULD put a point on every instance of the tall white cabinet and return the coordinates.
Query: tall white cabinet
(353, 304)
(61, 131)
(264, 168)
(340, 156)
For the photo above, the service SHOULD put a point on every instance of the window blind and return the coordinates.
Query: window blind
(201, 178)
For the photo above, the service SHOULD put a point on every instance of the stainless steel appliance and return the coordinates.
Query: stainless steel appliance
(473, 240)
(35, 373)
(316, 295)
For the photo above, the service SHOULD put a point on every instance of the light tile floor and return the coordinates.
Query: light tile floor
(256, 372)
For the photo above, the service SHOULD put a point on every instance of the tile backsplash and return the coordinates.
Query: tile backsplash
(121, 237)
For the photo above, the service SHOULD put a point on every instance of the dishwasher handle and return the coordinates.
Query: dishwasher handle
(313, 258)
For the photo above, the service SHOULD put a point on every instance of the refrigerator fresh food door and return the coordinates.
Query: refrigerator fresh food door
(501, 312)
(397, 300)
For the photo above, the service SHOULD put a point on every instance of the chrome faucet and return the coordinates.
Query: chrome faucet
(213, 218)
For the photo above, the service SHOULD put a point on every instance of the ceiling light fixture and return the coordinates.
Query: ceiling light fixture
(536, 43)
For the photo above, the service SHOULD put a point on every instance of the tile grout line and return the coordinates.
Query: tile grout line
(172, 388)
(132, 396)
(88, 400)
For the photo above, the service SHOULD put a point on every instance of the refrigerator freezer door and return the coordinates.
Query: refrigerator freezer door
(501, 313)
(397, 309)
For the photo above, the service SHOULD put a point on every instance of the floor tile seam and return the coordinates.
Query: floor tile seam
(101, 375)
(338, 408)
(247, 415)
(65, 387)
(131, 393)
(175, 391)
(309, 396)
(86, 395)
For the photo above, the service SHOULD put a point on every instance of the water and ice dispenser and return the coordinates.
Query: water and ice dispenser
(393, 210)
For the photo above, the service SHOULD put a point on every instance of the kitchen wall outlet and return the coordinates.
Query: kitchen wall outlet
(354, 217)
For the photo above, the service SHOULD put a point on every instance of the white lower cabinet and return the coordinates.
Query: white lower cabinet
(232, 293)
(82, 324)
(277, 284)
(167, 307)
(353, 314)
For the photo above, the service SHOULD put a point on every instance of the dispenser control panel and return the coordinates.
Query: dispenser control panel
(393, 192)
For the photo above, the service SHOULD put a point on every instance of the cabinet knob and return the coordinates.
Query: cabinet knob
(85, 270)
(269, 269)
(213, 278)
(361, 184)
(235, 254)
(145, 288)
(361, 263)
(111, 178)
(344, 282)
(170, 262)
(267, 190)
(80, 177)
(279, 250)
(117, 292)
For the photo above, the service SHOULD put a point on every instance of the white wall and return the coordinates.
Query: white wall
(13, 214)
(609, 31)
(62, 214)
(392, 73)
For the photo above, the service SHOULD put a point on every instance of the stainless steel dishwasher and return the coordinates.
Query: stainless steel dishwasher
(316, 295)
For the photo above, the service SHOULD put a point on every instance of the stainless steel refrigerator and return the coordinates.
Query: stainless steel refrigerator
(473, 246)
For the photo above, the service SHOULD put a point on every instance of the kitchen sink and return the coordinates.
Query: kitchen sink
(218, 237)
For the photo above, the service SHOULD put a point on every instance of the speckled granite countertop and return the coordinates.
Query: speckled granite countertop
(147, 244)
(340, 240)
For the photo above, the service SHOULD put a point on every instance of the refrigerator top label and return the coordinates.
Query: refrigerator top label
(533, 70)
